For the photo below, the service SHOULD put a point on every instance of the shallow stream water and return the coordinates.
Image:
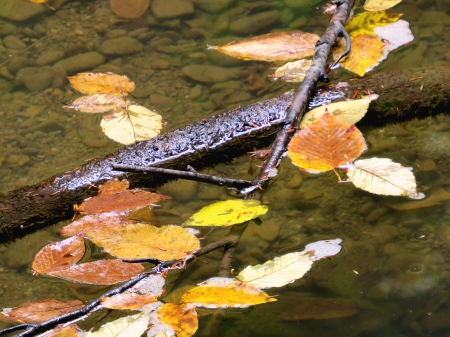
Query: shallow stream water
(391, 277)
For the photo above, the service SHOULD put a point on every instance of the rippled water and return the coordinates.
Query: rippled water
(391, 278)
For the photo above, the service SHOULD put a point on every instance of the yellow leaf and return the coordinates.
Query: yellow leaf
(181, 318)
(325, 144)
(367, 51)
(279, 46)
(383, 176)
(98, 103)
(38, 1)
(349, 111)
(221, 292)
(140, 241)
(63, 330)
(292, 71)
(227, 213)
(99, 83)
(366, 22)
(380, 5)
(139, 124)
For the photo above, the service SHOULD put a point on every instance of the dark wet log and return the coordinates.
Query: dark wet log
(404, 95)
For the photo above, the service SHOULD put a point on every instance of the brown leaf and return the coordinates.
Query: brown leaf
(59, 255)
(181, 318)
(129, 9)
(102, 272)
(98, 103)
(62, 330)
(127, 301)
(141, 241)
(279, 46)
(128, 200)
(113, 186)
(90, 224)
(326, 144)
(39, 311)
(99, 83)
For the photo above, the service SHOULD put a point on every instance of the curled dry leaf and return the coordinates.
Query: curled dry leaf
(349, 111)
(59, 255)
(272, 47)
(98, 103)
(101, 83)
(132, 125)
(129, 9)
(219, 292)
(227, 213)
(127, 301)
(181, 318)
(383, 176)
(39, 311)
(380, 5)
(142, 241)
(292, 71)
(325, 144)
(101, 272)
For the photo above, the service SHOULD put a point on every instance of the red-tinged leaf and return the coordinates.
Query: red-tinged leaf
(102, 272)
(39, 311)
(91, 224)
(326, 144)
(127, 301)
(129, 200)
(59, 255)
(62, 330)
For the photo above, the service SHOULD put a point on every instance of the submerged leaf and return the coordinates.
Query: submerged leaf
(383, 176)
(227, 213)
(101, 83)
(101, 272)
(39, 311)
(292, 71)
(59, 255)
(181, 318)
(98, 103)
(325, 144)
(380, 5)
(219, 292)
(142, 241)
(279, 46)
(349, 111)
(138, 124)
(129, 326)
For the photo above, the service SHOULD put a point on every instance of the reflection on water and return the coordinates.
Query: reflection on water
(391, 277)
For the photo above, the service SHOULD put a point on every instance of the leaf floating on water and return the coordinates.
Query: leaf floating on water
(366, 22)
(325, 144)
(59, 255)
(289, 267)
(272, 47)
(39, 311)
(101, 83)
(138, 124)
(92, 223)
(38, 1)
(101, 272)
(227, 213)
(113, 186)
(127, 301)
(349, 111)
(394, 35)
(142, 241)
(129, 326)
(98, 103)
(220, 292)
(71, 330)
(181, 318)
(380, 5)
(292, 71)
(383, 176)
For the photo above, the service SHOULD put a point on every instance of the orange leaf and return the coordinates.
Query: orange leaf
(128, 200)
(39, 311)
(181, 318)
(98, 83)
(127, 301)
(93, 223)
(279, 46)
(59, 255)
(113, 186)
(102, 272)
(62, 330)
(326, 144)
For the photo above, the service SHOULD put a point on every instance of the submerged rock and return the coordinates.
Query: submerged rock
(210, 74)
(19, 10)
(164, 9)
(124, 45)
(213, 5)
(254, 23)
(80, 62)
(13, 42)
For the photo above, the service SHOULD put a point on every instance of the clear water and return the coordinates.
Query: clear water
(391, 278)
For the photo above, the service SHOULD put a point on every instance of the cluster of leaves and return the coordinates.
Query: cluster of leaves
(107, 224)
(127, 122)
(373, 35)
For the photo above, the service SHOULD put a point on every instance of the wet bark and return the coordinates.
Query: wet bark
(404, 95)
